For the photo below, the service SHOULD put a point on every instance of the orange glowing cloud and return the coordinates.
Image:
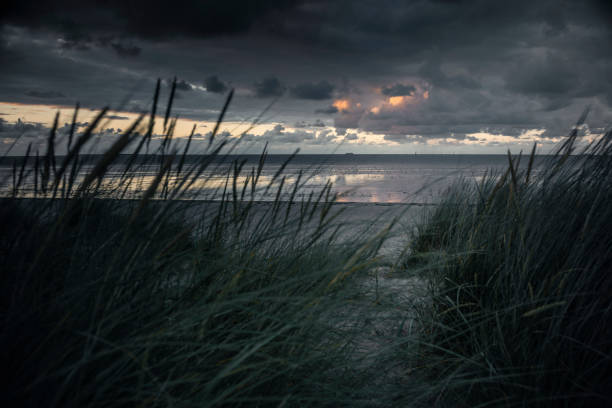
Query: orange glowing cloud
(392, 103)
(342, 104)
(397, 100)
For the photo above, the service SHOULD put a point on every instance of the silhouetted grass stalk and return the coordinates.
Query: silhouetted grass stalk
(114, 295)
(521, 285)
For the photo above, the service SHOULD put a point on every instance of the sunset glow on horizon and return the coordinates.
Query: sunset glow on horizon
(327, 80)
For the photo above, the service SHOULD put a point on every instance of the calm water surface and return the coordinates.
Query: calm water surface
(355, 178)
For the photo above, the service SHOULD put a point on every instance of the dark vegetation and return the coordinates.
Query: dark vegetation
(521, 285)
(117, 291)
(156, 301)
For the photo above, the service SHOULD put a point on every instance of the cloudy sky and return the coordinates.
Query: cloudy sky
(371, 76)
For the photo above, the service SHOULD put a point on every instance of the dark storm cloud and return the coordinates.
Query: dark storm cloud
(45, 94)
(142, 18)
(214, 84)
(431, 71)
(313, 90)
(330, 110)
(349, 119)
(430, 25)
(80, 41)
(398, 90)
(604, 7)
(548, 75)
(183, 85)
(75, 42)
(269, 87)
(125, 50)
(468, 66)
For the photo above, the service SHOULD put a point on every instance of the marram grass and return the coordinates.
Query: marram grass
(520, 276)
(119, 296)
(117, 290)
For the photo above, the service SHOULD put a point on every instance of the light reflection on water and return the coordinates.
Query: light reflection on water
(362, 178)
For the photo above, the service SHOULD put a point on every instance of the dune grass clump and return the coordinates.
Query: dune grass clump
(116, 292)
(520, 271)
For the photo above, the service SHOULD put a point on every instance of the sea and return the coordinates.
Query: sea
(352, 178)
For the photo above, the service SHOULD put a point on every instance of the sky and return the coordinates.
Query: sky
(334, 76)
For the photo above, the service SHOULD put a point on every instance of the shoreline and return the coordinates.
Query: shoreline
(256, 202)
(355, 217)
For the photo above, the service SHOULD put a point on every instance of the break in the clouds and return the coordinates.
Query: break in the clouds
(403, 75)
